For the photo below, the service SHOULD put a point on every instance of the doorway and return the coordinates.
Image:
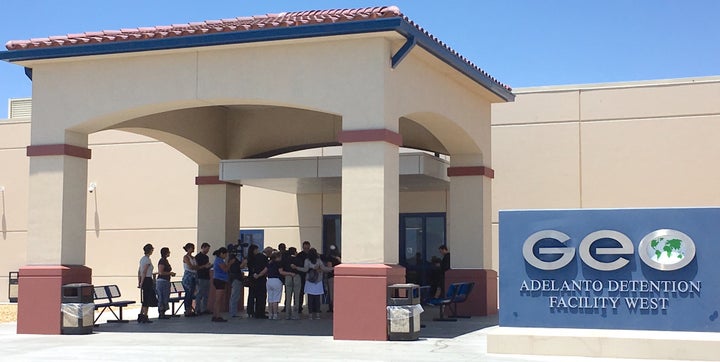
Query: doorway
(420, 237)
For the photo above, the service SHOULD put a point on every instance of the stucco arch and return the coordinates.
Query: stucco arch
(449, 134)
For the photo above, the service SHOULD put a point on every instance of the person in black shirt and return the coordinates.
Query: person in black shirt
(203, 279)
(436, 277)
(300, 260)
(274, 283)
(259, 274)
(250, 308)
(282, 248)
(444, 263)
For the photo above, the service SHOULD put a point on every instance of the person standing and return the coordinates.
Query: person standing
(189, 278)
(162, 286)
(220, 279)
(259, 275)
(274, 283)
(252, 251)
(292, 283)
(332, 259)
(282, 248)
(301, 256)
(203, 279)
(314, 269)
(444, 264)
(436, 277)
(145, 283)
(235, 275)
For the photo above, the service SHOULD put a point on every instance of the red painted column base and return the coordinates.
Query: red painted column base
(39, 295)
(360, 300)
(483, 298)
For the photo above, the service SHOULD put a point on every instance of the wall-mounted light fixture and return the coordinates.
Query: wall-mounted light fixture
(92, 187)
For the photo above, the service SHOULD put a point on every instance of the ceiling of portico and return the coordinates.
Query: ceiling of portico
(210, 134)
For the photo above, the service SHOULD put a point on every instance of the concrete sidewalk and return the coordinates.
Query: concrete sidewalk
(190, 339)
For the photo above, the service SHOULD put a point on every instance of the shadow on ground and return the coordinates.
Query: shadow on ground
(304, 327)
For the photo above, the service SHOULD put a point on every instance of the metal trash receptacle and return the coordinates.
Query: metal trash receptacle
(13, 287)
(403, 312)
(77, 309)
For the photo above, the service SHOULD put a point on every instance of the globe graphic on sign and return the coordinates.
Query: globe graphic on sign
(666, 250)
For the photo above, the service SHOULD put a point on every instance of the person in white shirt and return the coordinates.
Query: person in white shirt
(145, 283)
(314, 269)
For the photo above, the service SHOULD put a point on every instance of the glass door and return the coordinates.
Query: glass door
(331, 233)
(420, 237)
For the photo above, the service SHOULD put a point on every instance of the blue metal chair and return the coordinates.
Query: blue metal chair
(452, 292)
(461, 296)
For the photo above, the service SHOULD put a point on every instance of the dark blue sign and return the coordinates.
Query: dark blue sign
(645, 269)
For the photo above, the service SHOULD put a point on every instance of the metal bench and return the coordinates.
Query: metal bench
(456, 293)
(104, 297)
(177, 295)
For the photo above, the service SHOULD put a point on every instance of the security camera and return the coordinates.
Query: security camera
(92, 187)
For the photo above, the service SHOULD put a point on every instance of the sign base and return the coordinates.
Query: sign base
(605, 343)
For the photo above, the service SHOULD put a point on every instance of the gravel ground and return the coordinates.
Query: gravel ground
(8, 313)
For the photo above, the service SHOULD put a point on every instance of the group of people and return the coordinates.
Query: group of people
(269, 271)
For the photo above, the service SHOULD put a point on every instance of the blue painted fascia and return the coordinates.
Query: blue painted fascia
(190, 41)
(28, 73)
(446, 55)
(400, 25)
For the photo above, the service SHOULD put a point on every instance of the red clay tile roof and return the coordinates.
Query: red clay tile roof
(280, 20)
(299, 18)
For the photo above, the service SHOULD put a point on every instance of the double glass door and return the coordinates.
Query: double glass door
(420, 237)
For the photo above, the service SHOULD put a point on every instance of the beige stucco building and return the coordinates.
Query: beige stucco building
(635, 144)
(230, 94)
(354, 127)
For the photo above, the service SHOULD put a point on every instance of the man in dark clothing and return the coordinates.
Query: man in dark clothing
(300, 260)
(282, 248)
(203, 279)
(444, 263)
(259, 273)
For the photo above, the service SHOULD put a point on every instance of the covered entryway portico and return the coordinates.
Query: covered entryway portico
(367, 79)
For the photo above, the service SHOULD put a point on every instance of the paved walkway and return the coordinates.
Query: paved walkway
(193, 339)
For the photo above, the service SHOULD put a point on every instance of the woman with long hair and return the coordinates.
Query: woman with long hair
(189, 278)
(314, 268)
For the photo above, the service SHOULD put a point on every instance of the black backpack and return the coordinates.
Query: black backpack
(313, 276)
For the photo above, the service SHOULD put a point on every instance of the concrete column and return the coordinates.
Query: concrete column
(470, 235)
(218, 209)
(56, 231)
(370, 206)
(218, 218)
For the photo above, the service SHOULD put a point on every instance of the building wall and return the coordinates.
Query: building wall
(643, 144)
(639, 144)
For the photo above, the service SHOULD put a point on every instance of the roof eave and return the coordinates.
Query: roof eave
(212, 39)
(454, 60)
(398, 24)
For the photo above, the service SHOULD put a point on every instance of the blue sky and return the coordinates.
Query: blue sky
(521, 43)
